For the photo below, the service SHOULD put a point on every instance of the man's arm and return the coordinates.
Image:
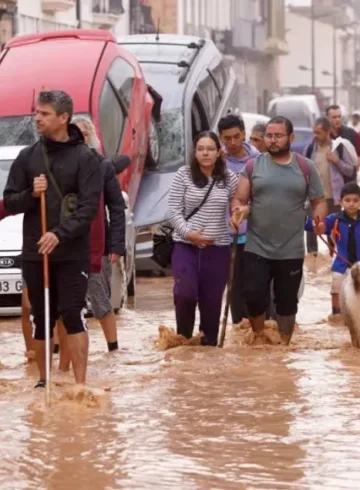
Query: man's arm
(115, 203)
(89, 184)
(319, 208)
(242, 194)
(18, 191)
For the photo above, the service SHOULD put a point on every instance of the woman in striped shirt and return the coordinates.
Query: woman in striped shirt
(201, 255)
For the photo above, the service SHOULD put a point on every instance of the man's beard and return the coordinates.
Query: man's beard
(284, 150)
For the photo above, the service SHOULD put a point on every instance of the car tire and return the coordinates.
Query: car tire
(153, 152)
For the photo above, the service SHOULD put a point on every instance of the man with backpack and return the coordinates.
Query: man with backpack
(335, 167)
(277, 184)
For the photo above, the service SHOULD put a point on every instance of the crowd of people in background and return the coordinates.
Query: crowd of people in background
(248, 192)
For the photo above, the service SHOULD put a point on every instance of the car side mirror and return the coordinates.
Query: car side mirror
(121, 163)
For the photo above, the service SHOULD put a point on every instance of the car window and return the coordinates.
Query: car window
(209, 95)
(122, 76)
(4, 172)
(112, 120)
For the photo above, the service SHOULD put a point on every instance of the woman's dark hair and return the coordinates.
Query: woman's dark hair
(219, 172)
(350, 188)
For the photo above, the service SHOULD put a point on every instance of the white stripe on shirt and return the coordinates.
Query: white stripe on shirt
(212, 218)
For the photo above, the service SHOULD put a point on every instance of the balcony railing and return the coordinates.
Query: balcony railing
(106, 7)
(57, 5)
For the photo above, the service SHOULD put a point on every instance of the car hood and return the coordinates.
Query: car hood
(152, 200)
(11, 233)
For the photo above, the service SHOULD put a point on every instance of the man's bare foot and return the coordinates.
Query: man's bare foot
(285, 339)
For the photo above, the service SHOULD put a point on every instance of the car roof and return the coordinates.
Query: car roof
(10, 152)
(170, 48)
(49, 61)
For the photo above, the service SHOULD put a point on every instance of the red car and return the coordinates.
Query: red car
(104, 80)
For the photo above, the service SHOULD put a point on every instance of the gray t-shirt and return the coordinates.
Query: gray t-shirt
(276, 221)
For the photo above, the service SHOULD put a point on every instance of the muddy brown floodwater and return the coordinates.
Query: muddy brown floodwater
(189, 418)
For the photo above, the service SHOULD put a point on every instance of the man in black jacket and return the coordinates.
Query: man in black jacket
(76, 171)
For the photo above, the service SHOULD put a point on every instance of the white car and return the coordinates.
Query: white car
(11, 245)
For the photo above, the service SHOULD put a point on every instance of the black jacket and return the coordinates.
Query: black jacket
(115, 226)
(77, 171)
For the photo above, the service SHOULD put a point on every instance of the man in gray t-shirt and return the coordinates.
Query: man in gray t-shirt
(278, 186)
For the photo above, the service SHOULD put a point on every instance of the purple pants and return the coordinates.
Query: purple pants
(200, 277)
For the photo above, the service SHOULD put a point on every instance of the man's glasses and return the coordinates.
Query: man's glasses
(276, 136)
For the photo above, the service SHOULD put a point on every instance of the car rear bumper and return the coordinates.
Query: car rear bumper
(10, 310)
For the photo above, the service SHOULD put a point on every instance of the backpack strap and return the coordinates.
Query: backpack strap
(309, 150)
(250, 170)
(304, 167)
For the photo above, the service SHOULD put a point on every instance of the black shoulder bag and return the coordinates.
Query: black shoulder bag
(163, 241)
(69, 202)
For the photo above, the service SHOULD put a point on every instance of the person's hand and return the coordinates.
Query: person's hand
(114, 258)
(47, 243)
(319, 227)
(332, 157)
(39, 185)
(196, 238)
(237, 215)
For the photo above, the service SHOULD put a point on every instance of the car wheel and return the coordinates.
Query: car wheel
(153, 152)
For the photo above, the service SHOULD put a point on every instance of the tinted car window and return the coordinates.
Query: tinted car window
(112, 120)
(122, 76)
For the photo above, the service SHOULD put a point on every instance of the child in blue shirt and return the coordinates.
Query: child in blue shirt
(344, 229)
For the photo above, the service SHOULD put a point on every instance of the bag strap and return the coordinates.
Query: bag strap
(50, 174)
(194, 211)
(304, 167)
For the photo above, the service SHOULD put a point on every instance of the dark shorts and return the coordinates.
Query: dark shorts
(67, 293)
(286, 275)
(99, 290)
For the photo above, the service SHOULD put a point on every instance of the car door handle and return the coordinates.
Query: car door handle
(133, 133)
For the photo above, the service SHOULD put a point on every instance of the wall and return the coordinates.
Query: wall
(299, 39)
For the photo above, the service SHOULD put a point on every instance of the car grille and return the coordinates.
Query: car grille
(10, 300)
(3, 261)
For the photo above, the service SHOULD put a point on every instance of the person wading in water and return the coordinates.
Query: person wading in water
(201, 254)
(278, 189)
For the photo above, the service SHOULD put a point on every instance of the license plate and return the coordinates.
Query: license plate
(10, 285)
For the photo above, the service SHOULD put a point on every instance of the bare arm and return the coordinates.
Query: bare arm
(242, 194)
(319, 208)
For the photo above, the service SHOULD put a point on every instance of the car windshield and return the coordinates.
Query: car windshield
(4, 172)
(20, 130)
(165, 80)
(17, 131)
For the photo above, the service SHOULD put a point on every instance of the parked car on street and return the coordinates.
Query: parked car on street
(11, 245)
(303, 137)
(197, 88)
(104, 80)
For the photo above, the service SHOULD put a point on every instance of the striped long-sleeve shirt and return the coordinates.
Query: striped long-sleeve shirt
(212, 218)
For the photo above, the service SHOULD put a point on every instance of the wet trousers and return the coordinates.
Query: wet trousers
(200, 277)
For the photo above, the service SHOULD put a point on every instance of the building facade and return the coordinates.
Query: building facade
(28, 16)
(323, 52)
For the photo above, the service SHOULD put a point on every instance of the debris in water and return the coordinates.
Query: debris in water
(335, 320)
(168, 339)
